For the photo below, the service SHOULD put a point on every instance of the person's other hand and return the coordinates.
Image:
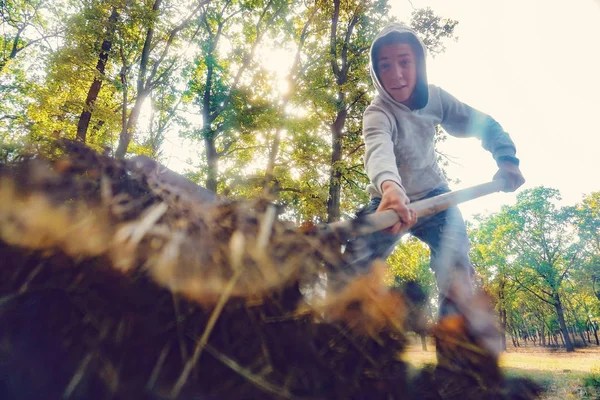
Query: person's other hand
(511, 174)
(394, 198)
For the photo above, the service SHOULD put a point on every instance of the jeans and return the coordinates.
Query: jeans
(445, 234)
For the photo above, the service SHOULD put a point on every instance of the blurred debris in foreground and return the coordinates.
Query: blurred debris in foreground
(115, 286)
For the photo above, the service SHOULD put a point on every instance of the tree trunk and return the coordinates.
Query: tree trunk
(563, 325)
(596, 335)
(128, 129)
(143, 90)
(582, 337)
(15, 49)
(573, 333)
(86, 115)
(212, 160)
(543, 336)
(587, 332)
(209, 136)
(423, 342)
(340, 72)
(270, 170)
(335, 186)
(503, 320)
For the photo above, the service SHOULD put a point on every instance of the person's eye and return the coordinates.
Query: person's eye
(405, 63)
(384, 66)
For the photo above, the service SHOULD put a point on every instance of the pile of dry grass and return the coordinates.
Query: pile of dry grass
(113, 286)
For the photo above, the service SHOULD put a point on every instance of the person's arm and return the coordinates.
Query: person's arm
(380, 160)
(381, 168)
(461, 120)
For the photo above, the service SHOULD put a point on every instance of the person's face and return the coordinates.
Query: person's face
(397, 67)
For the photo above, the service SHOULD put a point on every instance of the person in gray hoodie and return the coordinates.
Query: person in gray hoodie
(400, 160)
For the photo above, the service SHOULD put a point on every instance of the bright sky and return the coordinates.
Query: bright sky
(534, 65)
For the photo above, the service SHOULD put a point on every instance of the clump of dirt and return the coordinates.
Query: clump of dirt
(115, 286)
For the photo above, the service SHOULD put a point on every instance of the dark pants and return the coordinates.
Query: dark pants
(445, 234)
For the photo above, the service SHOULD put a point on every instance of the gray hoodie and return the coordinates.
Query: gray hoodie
(399, 141)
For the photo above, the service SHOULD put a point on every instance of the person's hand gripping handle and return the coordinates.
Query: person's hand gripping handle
(394, 198)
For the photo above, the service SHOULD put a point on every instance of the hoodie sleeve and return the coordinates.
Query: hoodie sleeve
(461, 120)
(380, 160)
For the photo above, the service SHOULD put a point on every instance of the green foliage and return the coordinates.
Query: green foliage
(433, 28)
(591, 384)
(168, 59)
(410, 263)
(586, 217)
(24, 25)
(530, 260)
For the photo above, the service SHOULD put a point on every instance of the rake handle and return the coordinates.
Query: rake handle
(382, 220)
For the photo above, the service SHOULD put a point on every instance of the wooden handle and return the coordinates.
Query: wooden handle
(385, 219)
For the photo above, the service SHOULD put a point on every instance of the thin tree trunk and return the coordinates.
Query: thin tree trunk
(580, 332)
(333, 201)
(573, 337)
(92, 96)
(273, 151)
(143, 90)
(209, 136)
(423, 342)
(543, 336)
(503, 320)
(587, 332)
(335, 185)
(596, 335)
(127, 130)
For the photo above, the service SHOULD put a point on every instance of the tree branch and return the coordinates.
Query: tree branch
(356, 149)
(171, 38)
(562, 277)
(532, 292)
(247, 59)
(333, 38)
(351, 25)
(226, 152)
(141, 82)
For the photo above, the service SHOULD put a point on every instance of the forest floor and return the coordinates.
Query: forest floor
(563, 375)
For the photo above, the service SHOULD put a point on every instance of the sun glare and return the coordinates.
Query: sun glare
(279, 62)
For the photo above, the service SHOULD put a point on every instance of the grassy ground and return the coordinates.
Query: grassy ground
(561, 373)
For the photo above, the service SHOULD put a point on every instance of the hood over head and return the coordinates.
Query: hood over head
(399, 33)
